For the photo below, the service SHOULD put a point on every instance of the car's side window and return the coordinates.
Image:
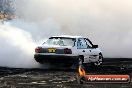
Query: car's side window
(89, 45)
(81, 43)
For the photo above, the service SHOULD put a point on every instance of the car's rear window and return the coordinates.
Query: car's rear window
(61, 41)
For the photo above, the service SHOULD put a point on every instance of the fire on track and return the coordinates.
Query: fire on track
(60, 78)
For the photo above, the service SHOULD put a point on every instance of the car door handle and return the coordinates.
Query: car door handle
(83, 51)
(90, 50)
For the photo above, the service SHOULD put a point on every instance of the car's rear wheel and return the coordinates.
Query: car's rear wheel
(100, 60)
(77, 62)
(80, 60)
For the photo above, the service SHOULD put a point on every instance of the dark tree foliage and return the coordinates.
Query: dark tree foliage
(7, 9)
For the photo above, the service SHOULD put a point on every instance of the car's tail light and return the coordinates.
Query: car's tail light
(67, 51)
(38, 49)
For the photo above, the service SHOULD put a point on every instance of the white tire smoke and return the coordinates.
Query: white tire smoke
(16, 48)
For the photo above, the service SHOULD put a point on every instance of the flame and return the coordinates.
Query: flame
(81, 71)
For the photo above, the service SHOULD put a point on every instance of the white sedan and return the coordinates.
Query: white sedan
(68, 49)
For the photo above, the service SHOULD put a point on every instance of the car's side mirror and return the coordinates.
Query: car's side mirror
(95, 46)
(44, 42)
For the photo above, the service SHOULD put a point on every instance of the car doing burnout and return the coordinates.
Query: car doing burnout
(68, 49)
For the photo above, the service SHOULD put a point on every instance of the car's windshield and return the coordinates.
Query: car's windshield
(61, 41)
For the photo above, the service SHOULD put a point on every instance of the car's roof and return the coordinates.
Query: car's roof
(68, 36)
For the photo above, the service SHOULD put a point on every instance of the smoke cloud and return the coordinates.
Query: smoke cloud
(106, 23)
(16, 48)
(18, 42)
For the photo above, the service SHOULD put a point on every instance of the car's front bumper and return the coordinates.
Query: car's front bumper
(42, 58)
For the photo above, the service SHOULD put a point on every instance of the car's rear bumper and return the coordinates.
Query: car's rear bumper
(55, 58)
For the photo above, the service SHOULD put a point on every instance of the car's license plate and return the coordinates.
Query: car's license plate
(51, 50)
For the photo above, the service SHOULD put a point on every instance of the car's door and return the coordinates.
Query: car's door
(93, 54)
(83, 49)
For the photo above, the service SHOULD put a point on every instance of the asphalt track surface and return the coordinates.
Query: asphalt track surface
(63, 78)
